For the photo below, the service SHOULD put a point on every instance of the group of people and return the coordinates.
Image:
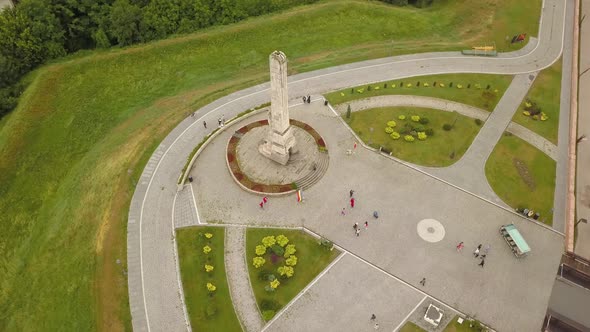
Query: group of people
(307, 100)
(478, 252)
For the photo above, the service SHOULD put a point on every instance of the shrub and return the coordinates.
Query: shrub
(268, 314)
(429, 132)
(282, 240)
(289, 250)
(409, 85)
(368, 88)
(544, 117)
(263, 275)
(415, 118)
(395, 135)
(275, 283)
(207, 249)
(286, 271)
(422, 135)
(211, 310)
(442, 85)
(269, 305)
(526, 113)
(208, 235)
(459, 86)
(260, 250)
(426, 85)
(393, 85)
(402, 117)
(424, 121)
(208, 268)
(258, 262)
(268, 241)
(409, 138)
(391, 124)
(278, 250)
(478, 122)
(388, 130)
(210, 287)
(291, 261)
(269, 289)
(447, 127)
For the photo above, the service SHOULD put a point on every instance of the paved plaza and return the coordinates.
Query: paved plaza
(508, 294)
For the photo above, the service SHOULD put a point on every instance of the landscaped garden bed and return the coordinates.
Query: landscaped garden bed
(281, 263)
(483, 91)
(419, 135)
(522, 176)
(202, 268)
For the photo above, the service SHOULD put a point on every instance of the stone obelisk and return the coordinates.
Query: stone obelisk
(279, 140)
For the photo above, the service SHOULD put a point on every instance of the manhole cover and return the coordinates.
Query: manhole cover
(430, 230)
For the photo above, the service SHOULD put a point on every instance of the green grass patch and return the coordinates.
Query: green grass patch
(546, 94)
(454, 326)
(411, 327)
(208, 311)
(470, 89)
(436, 150)
(312, 258)
(522, 176)
(84, 128)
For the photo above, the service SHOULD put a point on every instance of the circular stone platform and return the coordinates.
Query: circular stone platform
(430, 230)
(255, 172)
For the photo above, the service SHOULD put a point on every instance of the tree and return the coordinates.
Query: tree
(125, 20)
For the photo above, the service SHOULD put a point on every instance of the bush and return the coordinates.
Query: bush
(447, 127)
(289, 250)
(267, 304)
(415, 118)
(211, 310)
(278, 250)
(395, 135)
(207, 249)
(260, 250)
(210, 287)
(424, 121)
(263, 275)
(209, 268)
(275, 283)
(286, 271)
(389, 130)
(268, 314)
(268, 241)
(282, 240)
(291, 261)
(478, 122)
(391, 124)
(258, 262)
(402, 117)
(409, 138)
(429, 132)
(422, 135)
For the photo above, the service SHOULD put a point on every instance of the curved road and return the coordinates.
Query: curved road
(155, 295)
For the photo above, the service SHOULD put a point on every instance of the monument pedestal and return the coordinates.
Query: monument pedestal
(278, 146)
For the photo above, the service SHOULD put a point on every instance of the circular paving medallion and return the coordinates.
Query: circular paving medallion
(430, 230)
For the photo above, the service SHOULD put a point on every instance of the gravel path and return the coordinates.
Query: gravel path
(239, 280)
(449, 106)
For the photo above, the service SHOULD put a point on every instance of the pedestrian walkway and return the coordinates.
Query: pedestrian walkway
(184, 209)
(449, 106)
(239, 280)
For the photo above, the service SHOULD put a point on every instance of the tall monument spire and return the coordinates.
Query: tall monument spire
(279, 140)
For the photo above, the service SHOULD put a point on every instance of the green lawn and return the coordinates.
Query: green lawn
(311, 260)
(207, 311)
(545, 92)
(72, 152)
(411, 327)
(454, 326)
(522, 176)
(476, 95)
(434, 151)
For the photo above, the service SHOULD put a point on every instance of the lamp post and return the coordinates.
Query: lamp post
(581, 220)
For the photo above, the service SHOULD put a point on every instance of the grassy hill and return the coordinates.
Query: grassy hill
(71, 153)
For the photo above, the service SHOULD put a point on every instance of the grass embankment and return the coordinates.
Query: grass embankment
(546, 94)
(522, 176)
(208, 311)
(454, 326)
(436, 150)
(312, 258)
(411, 327)
(71, 153)
(470, 89)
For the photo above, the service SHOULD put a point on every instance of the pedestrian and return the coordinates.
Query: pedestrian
(358, 231)
(366, 224)
(581, 139)
(190, 179)
(308, 99)
(261, 205)
(343, 212)
(265, 199)
(222, 120)
(483, 261)
(476, 252)
(219, 122)
(304, 99)
(373, 317)
(423, 282)
(483, 256)
(376, 326)
(355, 226)
(351, 192)
(205, 124)
(192, 114)
(352, 202)
(460, 246)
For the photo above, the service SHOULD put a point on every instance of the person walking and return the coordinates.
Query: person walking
(358, 231)
(261, 205)
(483, 261)
(343, 212)
(265, 199)
(460, 246)
(308, 99)
(355, 226)
(373, 317)
(351, 193)
(366, 224)
(352, 202)
(423, 282)
(205, 124)
(219, 122)
(476, 252)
